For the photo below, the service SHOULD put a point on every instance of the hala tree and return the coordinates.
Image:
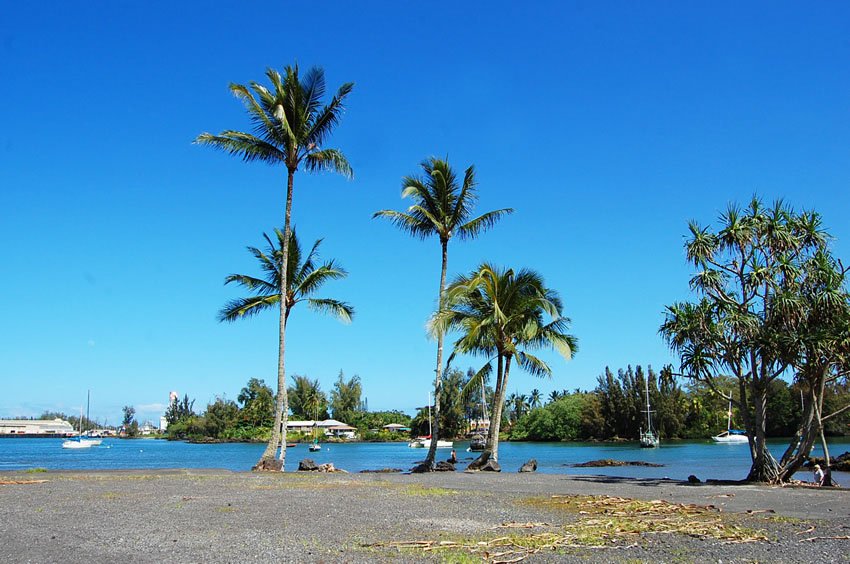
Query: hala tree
(750, 319)
(442, 207)
(290, 128)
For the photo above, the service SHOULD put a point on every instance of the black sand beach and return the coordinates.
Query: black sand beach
(219, 516)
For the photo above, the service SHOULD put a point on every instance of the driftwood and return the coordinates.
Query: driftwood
(17, 482)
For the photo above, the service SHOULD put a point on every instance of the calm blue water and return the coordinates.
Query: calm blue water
(680, 458)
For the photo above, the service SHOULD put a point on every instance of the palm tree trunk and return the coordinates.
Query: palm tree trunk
(496, 423)
(492, 446)
(438, 378)
(281, 415)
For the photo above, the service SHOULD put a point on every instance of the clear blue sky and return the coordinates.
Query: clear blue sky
(606, 125)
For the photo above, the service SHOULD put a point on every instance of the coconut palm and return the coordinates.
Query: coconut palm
(442, 206)
(502, 315)
(304, 277)
(290, 128)
(535, 398)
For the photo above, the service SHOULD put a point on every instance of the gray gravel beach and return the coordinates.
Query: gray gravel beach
(219, 516)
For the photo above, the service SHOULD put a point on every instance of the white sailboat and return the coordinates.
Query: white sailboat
(425, 442)
(731, 436)
(78, 441)
(648, 438)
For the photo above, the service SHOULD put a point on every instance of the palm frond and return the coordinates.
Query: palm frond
(244, 145)
(341, 310)
(331, 160)
(472, 228)
(247, 307)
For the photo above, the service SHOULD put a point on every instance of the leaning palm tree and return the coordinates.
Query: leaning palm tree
(502, 315)
(442, 207)
(290, 127)
(304, 277)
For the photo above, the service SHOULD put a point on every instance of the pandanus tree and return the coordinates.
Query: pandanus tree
(303, 275)
(504, 315)
(290, 128)
(442, 207)
(765, 311)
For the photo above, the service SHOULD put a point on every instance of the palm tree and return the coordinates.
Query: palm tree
(441, 207)
(554, 396)
(304, 276)
(535, 398)
(501, 314)
(290, 128)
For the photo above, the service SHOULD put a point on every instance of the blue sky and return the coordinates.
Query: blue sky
(607, 126)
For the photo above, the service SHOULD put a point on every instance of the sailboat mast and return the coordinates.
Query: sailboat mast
(729, 417)
(648, 413)
(429, 415)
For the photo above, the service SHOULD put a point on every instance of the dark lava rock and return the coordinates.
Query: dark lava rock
(491, 466)
(530, 466)
(608, 462)
(268, 465)
(693, 479)
(421, 468)
(307, 465)
(444, 467)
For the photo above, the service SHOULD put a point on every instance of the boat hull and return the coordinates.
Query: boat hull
(726, 439)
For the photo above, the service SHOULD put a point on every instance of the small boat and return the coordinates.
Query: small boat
(648, 438)
(425, 442)
(477, 443)
(290, 445)
(314, 446)
(731, 436)
(79, 442)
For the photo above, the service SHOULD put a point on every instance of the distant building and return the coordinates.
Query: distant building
(163, 423)
(35, 428)
(328, 427)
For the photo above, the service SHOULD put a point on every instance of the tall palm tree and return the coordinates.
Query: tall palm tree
(441, 207)
(290, 127)
(502, 315)
(304, 277)
(535, 398)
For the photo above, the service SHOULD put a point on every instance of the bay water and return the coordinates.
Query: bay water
(679, 459)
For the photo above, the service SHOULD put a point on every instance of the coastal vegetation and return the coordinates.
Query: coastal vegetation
(441, 208)
(769, 323)
(291, 126)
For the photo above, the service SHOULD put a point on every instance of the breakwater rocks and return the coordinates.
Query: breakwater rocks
(605, 462)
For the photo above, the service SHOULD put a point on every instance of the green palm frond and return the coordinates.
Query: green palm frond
(341, 310)
(244, 145)
(330, 160)
(472, 228)
(247, 307)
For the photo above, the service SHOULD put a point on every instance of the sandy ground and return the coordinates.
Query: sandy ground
(220, 516)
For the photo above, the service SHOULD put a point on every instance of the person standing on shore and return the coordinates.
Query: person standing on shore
(818, 475)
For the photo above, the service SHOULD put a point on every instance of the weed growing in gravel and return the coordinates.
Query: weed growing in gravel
(35, 470)
(421, 491)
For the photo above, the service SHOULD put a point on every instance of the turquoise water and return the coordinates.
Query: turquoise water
(680, 458)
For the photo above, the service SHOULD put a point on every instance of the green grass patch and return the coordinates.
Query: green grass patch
(416, 490)
(35, 470)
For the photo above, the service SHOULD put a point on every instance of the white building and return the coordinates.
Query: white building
(35, 428)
